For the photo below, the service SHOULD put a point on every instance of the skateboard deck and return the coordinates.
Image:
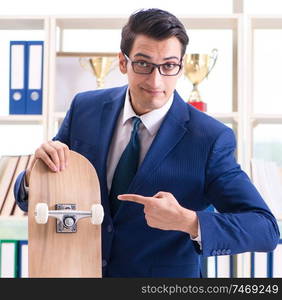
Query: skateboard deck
(67, 253)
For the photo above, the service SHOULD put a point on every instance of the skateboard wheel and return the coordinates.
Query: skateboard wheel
(41, 213)
(97, 214)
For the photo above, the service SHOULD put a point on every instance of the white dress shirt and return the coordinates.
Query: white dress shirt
(148, 129)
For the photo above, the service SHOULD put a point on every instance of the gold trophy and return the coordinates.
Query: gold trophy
(197, 67)
(100, 66)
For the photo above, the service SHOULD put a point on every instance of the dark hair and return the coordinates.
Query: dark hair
(154, 23)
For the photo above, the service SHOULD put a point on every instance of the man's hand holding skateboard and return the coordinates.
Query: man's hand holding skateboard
(54, 154)
(162, 211)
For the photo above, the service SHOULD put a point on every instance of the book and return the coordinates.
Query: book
(8, 259)
(9, 166)
(211, 267)
(26, 76)
(9, 202)
(259, 265)
(223, 266)
(277, 261)
(23, 259)
(3, 187)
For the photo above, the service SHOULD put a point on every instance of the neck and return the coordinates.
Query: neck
(138, 110)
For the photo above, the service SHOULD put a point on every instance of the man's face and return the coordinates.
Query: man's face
(151, 91)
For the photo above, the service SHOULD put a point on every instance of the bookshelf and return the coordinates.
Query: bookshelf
(242, 117)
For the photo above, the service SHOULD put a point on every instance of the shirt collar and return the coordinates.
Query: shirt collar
(151, 120)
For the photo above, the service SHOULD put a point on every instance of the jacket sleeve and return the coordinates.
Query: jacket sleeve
(242, 221)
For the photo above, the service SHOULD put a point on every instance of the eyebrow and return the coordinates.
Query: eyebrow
(149, 57)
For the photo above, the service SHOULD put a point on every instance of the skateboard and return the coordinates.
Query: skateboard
(64, 220)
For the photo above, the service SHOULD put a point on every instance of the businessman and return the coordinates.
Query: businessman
(160, 163)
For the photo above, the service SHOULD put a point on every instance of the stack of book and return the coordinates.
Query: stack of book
(13, 251)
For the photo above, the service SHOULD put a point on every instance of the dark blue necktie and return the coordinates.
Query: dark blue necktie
(126, 167)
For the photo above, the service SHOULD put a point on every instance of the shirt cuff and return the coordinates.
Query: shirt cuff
(198, 238)
(26, 188)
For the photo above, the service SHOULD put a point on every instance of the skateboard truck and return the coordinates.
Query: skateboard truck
(67, 216)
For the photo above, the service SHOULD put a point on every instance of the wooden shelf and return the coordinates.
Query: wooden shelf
(90, 22)
(266, 119)
(86, 54)
(22, 23)
(21, 119)
(214, 21)
(266, 21)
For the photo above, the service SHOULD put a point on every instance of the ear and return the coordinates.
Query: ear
(122, 63)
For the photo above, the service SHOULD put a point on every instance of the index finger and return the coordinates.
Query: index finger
(135, 198)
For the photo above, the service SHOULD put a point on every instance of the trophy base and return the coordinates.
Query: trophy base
(202, 106)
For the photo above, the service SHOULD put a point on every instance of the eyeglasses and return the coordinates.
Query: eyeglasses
(144, 67)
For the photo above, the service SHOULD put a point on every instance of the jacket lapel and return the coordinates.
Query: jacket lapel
(170, 133)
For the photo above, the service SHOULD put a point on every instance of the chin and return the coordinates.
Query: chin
(157, 104)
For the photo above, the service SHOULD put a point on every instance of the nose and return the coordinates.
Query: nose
(155, 78)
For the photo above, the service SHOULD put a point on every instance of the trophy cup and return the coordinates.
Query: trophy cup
(100, 66)
(197, 67)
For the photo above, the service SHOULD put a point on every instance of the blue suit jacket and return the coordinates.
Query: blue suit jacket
(192, 157)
